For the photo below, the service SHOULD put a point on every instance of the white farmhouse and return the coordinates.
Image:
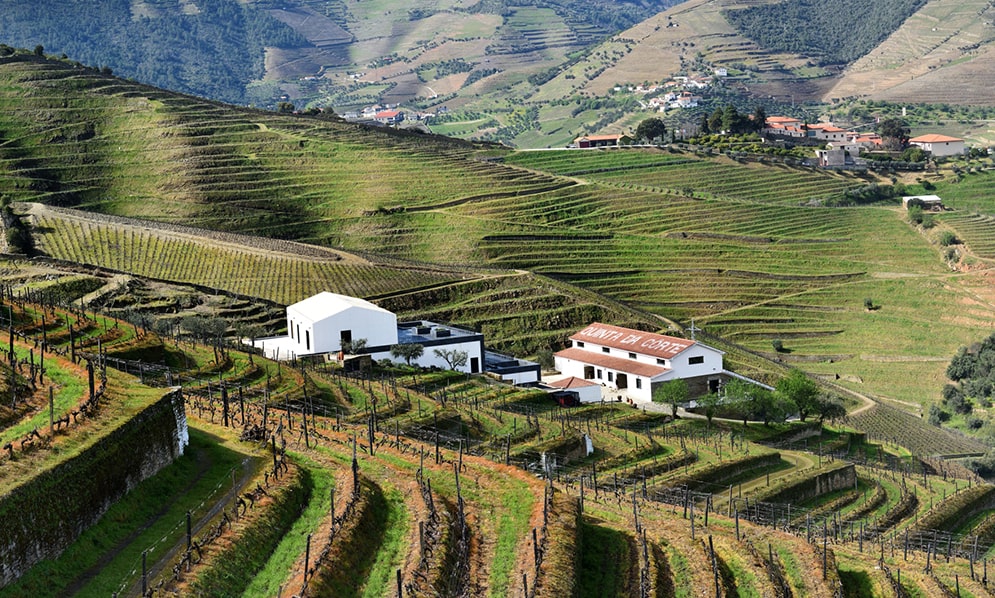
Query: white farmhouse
(939, 145)
(320, 324)
(634, 362)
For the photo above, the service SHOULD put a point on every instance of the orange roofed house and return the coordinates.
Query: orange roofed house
(939, 145)
(634, 362)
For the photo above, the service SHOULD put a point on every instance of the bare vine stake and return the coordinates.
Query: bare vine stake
(307, 558)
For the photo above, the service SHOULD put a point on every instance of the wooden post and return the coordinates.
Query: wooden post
(51, 411)
(399, 587)
(145, 575)
(307, 558)
(189, 532)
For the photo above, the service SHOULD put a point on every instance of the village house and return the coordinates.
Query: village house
(785, 126)
(939, 145)
(630, 364)
(589, 141)
(325, 323)
(389, 117)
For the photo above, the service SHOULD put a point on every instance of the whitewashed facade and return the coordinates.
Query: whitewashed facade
(321, 323)
(633, 362)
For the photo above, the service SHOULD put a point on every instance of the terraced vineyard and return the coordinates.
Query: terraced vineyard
(449, 484)
(527, 251)
(690, 174)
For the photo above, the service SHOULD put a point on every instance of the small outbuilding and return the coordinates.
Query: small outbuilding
(931, 203)
(589, 141)
(587, 391)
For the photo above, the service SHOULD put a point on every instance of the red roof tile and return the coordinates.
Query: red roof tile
(628, 339)
(628, 366)
(573, 382)
(933, 138)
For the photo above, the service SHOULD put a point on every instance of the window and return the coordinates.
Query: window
(291, 328)
(307, 335)
(632, 355)
(605, 350)
(579, 344)
(639, 382)
(662, 362)
(696, 360)
(610, 379)
(599, 374)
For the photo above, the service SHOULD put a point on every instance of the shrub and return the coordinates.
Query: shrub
(948, 238)
(778, 345)
(868, 303)
(937, 416)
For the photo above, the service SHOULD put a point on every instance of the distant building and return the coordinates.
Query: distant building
(939, 145)
(927, 202)
(589, 141)
(831, 158)
(785, 126)
(389, 117)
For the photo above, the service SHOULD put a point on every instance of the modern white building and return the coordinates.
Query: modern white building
(633, 363)
(939, 145)
(433, 337)
(319, 325)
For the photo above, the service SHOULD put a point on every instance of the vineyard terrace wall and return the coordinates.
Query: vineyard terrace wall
(43, 516)
(822, 483)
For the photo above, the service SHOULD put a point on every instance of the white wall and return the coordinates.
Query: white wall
(377, 327)
(681, 367)
(429, 359)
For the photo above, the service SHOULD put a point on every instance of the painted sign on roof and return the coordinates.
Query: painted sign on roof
(629, 339)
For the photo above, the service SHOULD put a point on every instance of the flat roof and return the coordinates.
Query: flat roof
(628, 339)
(619, 364)
(415, 332)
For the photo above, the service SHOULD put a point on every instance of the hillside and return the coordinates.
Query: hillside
(739, 245)
(303, 478)
(312, 480)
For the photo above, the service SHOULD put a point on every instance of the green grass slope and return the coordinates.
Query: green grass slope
(743, 248)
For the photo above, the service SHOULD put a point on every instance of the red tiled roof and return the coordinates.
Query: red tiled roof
(628, 366)
(782, 119)
(933, 138)
(388, 113)
(628, 339)
(573, 382)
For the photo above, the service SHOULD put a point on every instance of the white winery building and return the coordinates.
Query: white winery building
(633, 363)
(321, 324)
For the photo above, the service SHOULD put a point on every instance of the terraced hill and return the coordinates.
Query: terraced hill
(426, 481)
(743, 247)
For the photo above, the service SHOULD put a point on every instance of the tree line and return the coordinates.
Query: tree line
(214, 53)
(830, 32)
(795, 394)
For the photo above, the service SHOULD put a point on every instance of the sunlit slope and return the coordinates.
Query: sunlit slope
(942, 54)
